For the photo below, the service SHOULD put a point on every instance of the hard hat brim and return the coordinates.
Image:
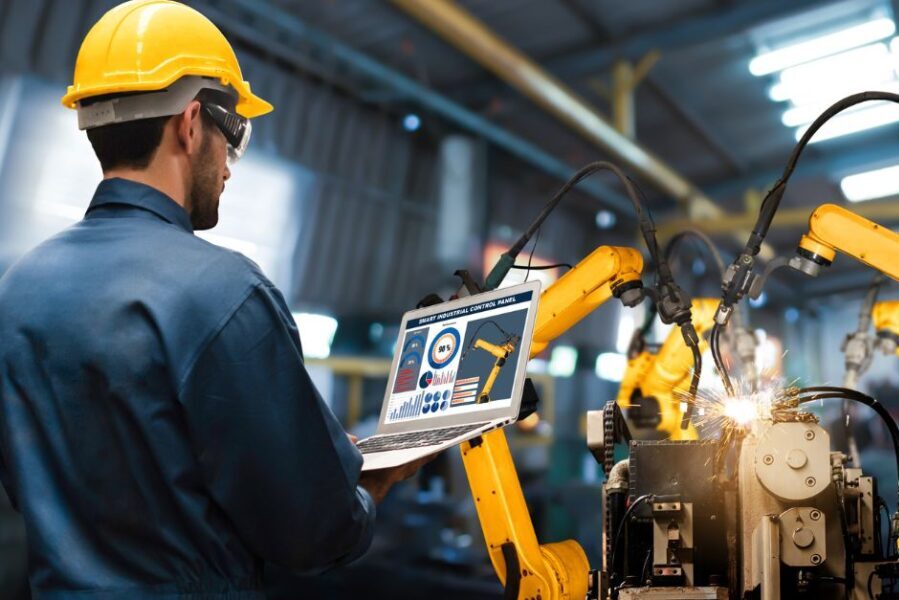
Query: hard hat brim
(249, 105)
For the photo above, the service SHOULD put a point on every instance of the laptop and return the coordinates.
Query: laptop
(458, 371)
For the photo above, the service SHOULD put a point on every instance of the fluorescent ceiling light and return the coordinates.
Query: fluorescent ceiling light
(856, 64)
(825, 45)
(878, 183)
(831, 78)
(562, 361)
(611, 366)
(806, 113)
(877, 115)
(316, 333)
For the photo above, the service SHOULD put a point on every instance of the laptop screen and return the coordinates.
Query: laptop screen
(462, 358)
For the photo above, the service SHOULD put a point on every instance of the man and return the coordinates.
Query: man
(158, 430)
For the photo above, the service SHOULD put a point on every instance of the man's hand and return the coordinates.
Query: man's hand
(378, 483)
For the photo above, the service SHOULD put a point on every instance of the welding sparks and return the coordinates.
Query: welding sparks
(714, 410)
(743, 410)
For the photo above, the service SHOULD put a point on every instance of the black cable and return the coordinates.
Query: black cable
(703, 239)
(531, 255)
(715, 347)
(646, 226)
(848, 566)
(775, 194)
(543, 267)
(694, 386)
(646, 564)
(621, 528)
(811, 394)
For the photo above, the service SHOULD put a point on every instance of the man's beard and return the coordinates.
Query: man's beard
(205, 188)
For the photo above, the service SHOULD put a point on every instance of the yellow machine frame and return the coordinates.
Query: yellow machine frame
(663, 374)
(557, 571)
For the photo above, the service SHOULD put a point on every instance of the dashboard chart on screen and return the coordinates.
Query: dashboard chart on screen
(462, 360)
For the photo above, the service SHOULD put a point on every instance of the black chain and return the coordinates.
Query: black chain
(609, 422)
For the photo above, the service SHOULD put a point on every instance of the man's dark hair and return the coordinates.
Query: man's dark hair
(133, 144)
(130, 144)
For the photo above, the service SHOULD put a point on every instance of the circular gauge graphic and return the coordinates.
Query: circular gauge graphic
(426, 409)
(443, 405)
(446, 394)
(428, 398)
(444, 348)
(426, 379)
(434, 407)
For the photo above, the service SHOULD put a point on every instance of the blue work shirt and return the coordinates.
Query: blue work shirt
(158, 430)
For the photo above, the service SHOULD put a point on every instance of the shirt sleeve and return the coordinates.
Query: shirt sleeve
(276, 459)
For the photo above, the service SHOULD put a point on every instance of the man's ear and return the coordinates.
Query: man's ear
(188, 128)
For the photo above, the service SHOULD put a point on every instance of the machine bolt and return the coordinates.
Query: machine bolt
(810, 481)
(809, 435)
(797, 458)
(803, 537)
(816, 559)
(814, 515)
(768, 459)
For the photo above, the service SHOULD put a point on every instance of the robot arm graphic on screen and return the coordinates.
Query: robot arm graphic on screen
(499, 351)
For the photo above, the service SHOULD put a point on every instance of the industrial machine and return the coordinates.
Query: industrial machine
(783, 507)
(767, 510)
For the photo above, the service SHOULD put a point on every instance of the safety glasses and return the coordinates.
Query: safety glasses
(235, 128)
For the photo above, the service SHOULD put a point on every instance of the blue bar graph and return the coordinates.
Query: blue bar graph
(408, 409)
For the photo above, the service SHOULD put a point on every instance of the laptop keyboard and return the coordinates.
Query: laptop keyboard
(414, 439)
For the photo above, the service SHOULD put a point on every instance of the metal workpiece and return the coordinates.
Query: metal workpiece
(765, 558)
(803, 535)
(792, 461)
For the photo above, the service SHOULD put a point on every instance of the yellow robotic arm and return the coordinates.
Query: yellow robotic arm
(557, 571)
(833, 228)
(667, 372)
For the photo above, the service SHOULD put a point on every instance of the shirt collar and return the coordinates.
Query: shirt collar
(139, 195)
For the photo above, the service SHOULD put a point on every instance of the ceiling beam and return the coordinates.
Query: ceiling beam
(684, 33)
(717, 24)
(456, 25)
(294, 33)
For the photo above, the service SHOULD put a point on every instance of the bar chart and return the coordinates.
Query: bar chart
(409, 408)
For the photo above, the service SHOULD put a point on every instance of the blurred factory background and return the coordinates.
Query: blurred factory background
(400, 151)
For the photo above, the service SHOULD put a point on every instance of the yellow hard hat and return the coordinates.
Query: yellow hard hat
(147, 45)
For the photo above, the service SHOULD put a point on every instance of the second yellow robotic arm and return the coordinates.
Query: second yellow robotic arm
(663, 374)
